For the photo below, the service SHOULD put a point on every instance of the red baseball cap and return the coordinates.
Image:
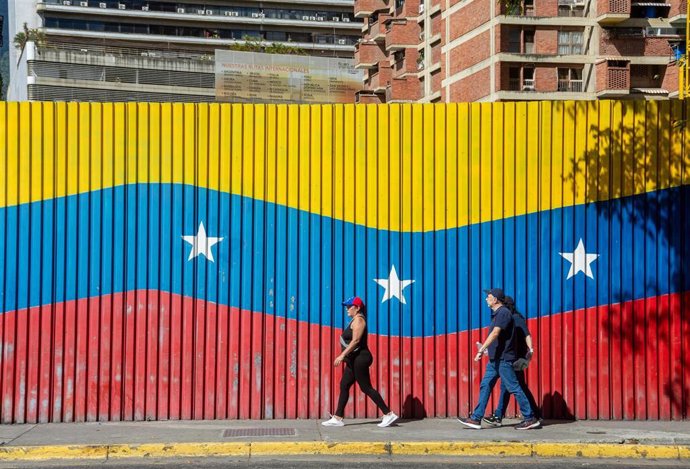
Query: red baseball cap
(354, 301)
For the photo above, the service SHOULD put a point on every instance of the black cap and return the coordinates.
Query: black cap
(497, 293)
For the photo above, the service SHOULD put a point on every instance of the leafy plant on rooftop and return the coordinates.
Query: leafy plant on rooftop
(29, 35)
(252, 44)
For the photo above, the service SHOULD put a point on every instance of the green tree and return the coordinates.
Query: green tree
(29, 34)
(252, 44)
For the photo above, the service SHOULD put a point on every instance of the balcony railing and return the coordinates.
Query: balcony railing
(572, 86)
(518, 9)
(516, 84)
(613, 11)
(399, 90)
(618, 78)
(368, 54)
(365, 8)
(402, 34)
(212, 10)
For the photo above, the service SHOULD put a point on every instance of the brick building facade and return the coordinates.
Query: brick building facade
(484, 50)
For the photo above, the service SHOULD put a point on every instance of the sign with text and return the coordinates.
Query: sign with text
(251, 77)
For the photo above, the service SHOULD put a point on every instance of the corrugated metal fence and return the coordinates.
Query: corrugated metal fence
(188, 261)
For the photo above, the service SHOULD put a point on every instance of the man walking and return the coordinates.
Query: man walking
(500, 345)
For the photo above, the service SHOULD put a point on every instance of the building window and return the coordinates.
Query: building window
(529, 41)
(650, 10)
(521, 79)
(399, 4)
(399, 59)
(514, 41)
(528, 83)
(570, 42)
(571, 8)
(529, 8)
(570, 79)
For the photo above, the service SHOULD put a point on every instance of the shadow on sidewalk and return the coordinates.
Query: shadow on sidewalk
(413, 409)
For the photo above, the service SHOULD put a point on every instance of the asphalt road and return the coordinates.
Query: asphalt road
(359, 463)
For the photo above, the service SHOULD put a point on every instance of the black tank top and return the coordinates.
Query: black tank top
(346, 338)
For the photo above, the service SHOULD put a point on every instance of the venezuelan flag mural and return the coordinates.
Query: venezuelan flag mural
(188, 261)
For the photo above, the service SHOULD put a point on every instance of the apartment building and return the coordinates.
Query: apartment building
(150, 50)
(484, 50)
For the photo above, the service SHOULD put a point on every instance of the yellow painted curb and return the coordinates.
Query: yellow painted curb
(416, 448)
(172, 450)
(318, 447)
(605, 450)
(39, 453)
(461, 448)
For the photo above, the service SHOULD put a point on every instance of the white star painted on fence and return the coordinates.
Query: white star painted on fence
(201, 244)
(580, 261)
(394, 286)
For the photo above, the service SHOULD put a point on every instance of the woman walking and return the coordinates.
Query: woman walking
(357, 359)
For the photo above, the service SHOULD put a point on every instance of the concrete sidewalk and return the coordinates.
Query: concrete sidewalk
(442, 437)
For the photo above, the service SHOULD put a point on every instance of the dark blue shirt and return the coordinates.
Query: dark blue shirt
(521, 331)
(503, 348)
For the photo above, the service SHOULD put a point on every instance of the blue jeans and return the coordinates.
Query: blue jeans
(504, 399)
(501, 369)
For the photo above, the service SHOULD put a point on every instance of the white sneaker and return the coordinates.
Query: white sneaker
(388, 419)
(333, 422)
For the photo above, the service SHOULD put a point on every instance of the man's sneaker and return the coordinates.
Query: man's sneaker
(528, 424)
(333, 422)
(470, 422)
(492, 420)
(388, 419)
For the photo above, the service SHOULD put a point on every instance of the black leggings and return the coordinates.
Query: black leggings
(357, 369)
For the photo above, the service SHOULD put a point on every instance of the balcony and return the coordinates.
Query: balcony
(571, 8)
(364, 8)
(377, 29)
(635, 43)
(379, 81)
(402, 34)
(202, 13)
(517, 9)
(517, 84)
(407, 65)
(612, 11)
(570, 86)
(368, 54)
(613, 78)
(368, 97)
(403, 90)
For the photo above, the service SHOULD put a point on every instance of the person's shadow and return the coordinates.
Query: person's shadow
(412, 409)
(554, 407)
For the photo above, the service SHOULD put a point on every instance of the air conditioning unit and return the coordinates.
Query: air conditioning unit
(227, 13)
(180, 10)
(121, 6)
(346, 19)
(209, 12)
(305, 18)
(102, 5)
(144, 8)
(342, 41)
(200, 12)
(83, 4)
(67, 2)
(320, 18)
(312, 18)
(336, 18)
(255, 15)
